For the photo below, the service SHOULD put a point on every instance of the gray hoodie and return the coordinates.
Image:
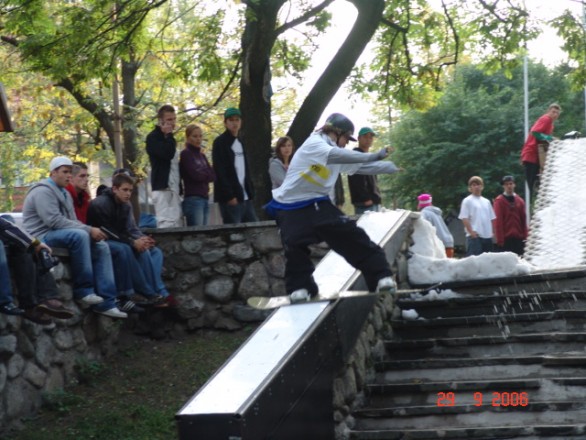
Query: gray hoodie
(433, 215)
(47, 208)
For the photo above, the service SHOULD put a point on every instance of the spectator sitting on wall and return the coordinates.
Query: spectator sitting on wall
(79, 190)
(49, 215)
(38, 299)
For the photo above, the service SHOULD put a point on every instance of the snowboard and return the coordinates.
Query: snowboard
(268, 303)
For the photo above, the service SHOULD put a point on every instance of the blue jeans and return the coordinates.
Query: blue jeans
(478, 245)
(124, 265)
(242, 212)
(90, 262)
(137, 272)
(196, 210)
(151, 263)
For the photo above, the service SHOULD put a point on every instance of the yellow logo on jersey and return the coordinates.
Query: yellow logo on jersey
(316, 173)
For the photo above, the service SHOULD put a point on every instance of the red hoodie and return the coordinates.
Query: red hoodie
(81, 202)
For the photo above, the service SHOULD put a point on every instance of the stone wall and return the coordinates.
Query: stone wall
(359, 369)
(212, 271)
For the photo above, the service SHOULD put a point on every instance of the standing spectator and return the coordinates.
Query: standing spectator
(364, 191)
(49, 215)
(165, 182)
(478, 218)
(78, 188)
(37, 292)
(337, 193)
(538, 138)
(196, 174)
(279, 164)
(433, 215)
(233, 189)
(139, 265)
(511, 219)
(305, 213)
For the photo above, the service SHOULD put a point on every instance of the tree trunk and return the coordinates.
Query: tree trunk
(369, 16)
(129, 130)
(255, 95)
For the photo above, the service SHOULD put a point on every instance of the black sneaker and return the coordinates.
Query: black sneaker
(129, 306)
(37, 316)
(11, 309)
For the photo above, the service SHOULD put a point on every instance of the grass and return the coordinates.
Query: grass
(135, 394)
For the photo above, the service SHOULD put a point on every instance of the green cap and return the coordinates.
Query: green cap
(366, 130)
(232, 111)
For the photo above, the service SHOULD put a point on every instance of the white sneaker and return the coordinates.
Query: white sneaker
(114, 312)
(299, 295)
(91, 299)
(386, 285)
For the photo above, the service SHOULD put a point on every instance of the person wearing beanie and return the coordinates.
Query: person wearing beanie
(535, 147)
(511, 219)
(478, 218)
(48, 214)
(364, 190)
(233, 190)
(305, 213)
(433, 215)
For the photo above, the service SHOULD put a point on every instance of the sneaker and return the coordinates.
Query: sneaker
(53, 307)
(114, 312)
(11, 309)
(37, 316)
(160, 302)
(171, 301)
(386, 285)
(91, 299)
(299, 295)
(127, 306)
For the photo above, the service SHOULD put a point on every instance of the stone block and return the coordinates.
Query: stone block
(191, 246)
(213, 255)
(266, 241)
(34, 375)
(22, 398)
(184, 262)
(240, 252)
(254, 282)
(15, 366)
(45, 351)
(220, 289)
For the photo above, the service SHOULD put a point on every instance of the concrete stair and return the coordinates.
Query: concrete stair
(493, 364)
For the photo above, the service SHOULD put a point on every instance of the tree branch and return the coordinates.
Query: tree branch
(303, 18)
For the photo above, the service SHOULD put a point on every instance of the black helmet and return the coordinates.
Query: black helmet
(341, 122)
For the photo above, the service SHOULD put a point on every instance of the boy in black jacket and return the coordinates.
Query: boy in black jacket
(233, 189)
(133, 253)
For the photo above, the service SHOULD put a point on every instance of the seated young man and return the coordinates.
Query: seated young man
(142, 261)
(48, 214)
(37, 292)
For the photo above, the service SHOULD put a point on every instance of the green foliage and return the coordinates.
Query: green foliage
(88, 371)
(571, 29)
(60, 401)
(417, 45)
(476, 128)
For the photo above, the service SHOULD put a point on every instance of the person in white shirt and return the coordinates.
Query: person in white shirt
(478, 218)
(305, 213)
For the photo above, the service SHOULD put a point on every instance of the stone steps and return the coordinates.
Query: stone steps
(486, 366)
(481, 305)
(520, 431)
(493, 325)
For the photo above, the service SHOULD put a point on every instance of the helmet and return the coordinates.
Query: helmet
(341, 122)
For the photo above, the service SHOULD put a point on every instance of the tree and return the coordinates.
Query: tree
(476, 128)
(414, 46)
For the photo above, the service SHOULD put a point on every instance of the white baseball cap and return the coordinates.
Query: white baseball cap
(59, 161)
